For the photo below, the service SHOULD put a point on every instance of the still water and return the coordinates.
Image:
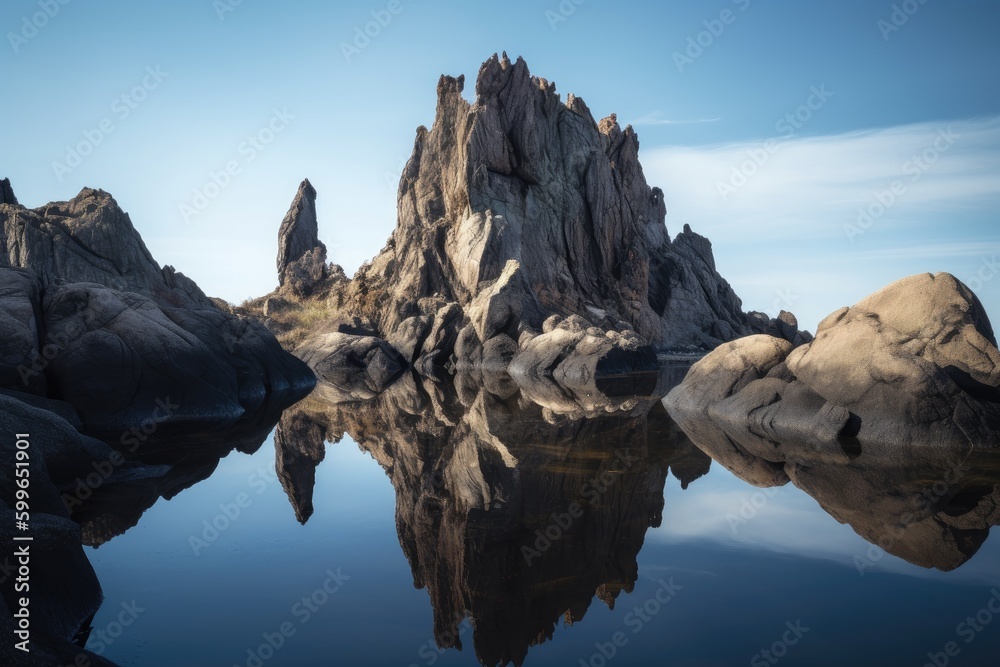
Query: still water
(592, 536)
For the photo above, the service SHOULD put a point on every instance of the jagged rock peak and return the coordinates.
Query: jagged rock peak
(7, 193)
(301, 255)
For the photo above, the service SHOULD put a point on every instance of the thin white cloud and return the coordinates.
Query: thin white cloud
(782, 237)
(936, 250)
(813, 186)
(656, 118)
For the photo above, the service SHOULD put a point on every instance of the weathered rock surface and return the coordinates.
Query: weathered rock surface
(362, 365)
(7, 193)
(301, 255)
(89, 317)
(896, 395)
(914, 364)
(519, 207)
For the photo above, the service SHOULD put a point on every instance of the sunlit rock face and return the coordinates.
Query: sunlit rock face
(528, 240)
(511, 514)
(890, 418)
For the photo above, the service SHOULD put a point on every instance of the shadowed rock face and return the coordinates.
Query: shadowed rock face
(7, 193)
(91, 319)
(480, 476)
(98, 341)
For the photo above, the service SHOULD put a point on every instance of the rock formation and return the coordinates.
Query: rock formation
(92, 319)
(132, 384)
(881, 418)
(7, 193)
(516, 213)
(301, 255)
(914, 364)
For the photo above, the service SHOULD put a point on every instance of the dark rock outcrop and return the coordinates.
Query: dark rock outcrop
(7, 193)
(92, 319)
(301, 255)
(518, 208)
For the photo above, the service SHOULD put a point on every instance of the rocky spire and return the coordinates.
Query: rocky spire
(7, 193)
(301, 255)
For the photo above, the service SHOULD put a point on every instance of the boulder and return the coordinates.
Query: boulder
(912, 366)
(361, 365)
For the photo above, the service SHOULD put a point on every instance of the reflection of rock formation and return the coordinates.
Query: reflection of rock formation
(509, 512)
(934, 510)
(85, 492)
(300, 444)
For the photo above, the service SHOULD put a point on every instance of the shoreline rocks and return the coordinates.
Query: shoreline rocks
(92, 319)
(914, 364)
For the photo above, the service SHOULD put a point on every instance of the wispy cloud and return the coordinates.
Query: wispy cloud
(656, 118)
(956, 249)
(817, 183)
(785, 228)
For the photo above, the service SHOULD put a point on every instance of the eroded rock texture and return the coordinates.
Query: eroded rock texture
(92, 319)
(301, 255)
(518, 208)
(890, 418)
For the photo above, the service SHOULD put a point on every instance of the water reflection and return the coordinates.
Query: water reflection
(516, 506)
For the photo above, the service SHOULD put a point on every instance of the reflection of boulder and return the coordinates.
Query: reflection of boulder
(64, 591)
(509, 513)
(881, 418)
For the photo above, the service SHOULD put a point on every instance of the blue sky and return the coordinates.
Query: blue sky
(909, 104)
